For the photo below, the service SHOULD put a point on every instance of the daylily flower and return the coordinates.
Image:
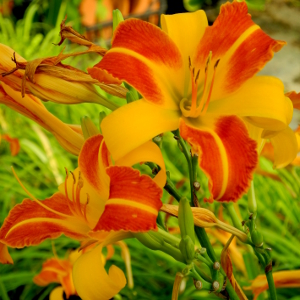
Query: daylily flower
(282, 279)
(31, 107)
(56, 270)
(200, 79)
(98, 203)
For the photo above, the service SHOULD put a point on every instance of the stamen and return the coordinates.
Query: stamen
(85, 205)
(69, 201)
(78, 189)
(197, 76)
(190, 64)
(36, 200)
(73, 187)
(211, 87)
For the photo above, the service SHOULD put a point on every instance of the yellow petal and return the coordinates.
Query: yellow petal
(91, 280)
(57, 294)
(134, 124)
(260, 100)
(285, 147)
(147, 152)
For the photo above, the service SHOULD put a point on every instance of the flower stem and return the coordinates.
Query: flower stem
(233, 215)
(271, 284)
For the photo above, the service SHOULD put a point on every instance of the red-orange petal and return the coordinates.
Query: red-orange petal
(147, 54)
(295, 98)
(5, 257)
(133, 203)
(29, 223)
(242, 47)
(226, 155)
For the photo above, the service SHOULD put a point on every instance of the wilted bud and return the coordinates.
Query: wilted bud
(49, 80)
(151, 239)
(186, 219)
(187, 249)
(177, 285)
(88, 127)
(117, 18)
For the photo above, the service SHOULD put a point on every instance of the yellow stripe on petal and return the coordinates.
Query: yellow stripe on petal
(134, 124)
(122, 202)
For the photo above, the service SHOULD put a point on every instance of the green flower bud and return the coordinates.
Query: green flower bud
(117, 18)
(187, 249)
(257, 238)
(88, 127)
(186, 219)
(151, 239)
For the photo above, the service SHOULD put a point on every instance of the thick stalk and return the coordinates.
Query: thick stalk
(271, 284)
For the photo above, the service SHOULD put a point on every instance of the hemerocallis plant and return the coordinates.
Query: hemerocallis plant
(100, 202)
(201, 79)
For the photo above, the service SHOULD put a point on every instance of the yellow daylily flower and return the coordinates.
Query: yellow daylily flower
(202, 80)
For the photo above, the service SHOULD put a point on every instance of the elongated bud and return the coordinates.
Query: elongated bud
(88, 127)
(117, 18)
(187, 249)
(257, 238)
(176, 285)
(151, 239)
(186, 219)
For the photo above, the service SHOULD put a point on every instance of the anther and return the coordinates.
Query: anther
(74, 179)
(197, 76)
(216, 64)
(190, 64)
(67, 172)
(193, 72)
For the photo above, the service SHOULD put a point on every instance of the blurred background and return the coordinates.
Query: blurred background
(31, 28)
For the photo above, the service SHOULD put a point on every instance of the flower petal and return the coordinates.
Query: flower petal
(96, 284)
(57, 294)
(133, 203)
(5, 257)
(242, 47)
(147, 152)
(226, 154)
(260, 100)
(140, 121)
(151, 65)
(295, 98)
(29, 223)
(285, 146)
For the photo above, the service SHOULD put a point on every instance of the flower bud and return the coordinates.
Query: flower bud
(257, 238)
(117, 18)
(151, 239)
(186, 219)
(88, 127)
(187, 249)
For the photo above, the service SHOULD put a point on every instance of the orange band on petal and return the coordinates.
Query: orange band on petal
(29, 223)
(226, 154)
(159, 48)
(137, 74)
(133, 203)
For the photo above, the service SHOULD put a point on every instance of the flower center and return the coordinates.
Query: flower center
(75, 205)
(197, 106)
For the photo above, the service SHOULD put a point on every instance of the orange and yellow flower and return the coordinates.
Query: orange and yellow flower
(98, 201)
(200, 79)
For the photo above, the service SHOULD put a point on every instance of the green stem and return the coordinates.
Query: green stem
(230, 290)
(169, 238)
(187, 155)
(252, 205)
(271, 284)
(171, 189)
(233, 215)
